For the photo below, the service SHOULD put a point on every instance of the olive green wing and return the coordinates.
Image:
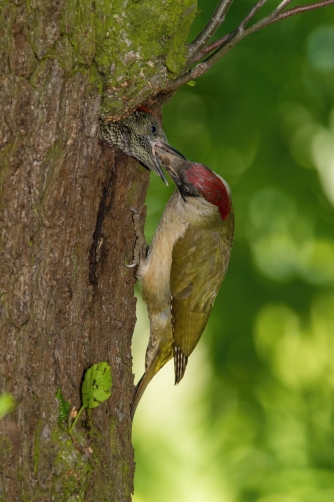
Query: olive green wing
(199, 264)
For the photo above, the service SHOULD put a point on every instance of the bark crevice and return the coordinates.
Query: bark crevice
(96, 253)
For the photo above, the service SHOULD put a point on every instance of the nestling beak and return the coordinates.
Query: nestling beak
(165, 147)
(170, 158)
(156, 161)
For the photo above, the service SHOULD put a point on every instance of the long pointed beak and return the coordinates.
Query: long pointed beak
(172, 160)
(157, 163)
(160, 171)
(169, 149)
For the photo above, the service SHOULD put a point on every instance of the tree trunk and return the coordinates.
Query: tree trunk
(66, 297)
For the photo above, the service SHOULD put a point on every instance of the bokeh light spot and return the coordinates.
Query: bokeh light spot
(320, 48)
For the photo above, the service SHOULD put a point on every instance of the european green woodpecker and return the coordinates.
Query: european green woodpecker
(137, 136)
(181, 272)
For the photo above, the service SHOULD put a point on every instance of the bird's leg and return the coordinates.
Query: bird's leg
(140, 249)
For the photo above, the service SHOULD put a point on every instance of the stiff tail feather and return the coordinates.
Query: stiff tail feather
(180, 363)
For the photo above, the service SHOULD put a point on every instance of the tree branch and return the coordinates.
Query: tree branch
(231, 40)
(226, 43)
(240, 32)
(209, 48)
(288, 13)
(210, 29)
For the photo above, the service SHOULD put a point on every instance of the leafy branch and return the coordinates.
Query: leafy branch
(96, 389)
(204, 55)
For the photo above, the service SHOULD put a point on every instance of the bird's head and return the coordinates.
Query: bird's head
(196, 180)
(146, 131)
(137, 136)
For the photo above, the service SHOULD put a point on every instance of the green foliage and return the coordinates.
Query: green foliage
(259, 420)
(96, 387)
(64, 406)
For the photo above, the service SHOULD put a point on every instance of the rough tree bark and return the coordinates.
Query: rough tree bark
(66, 299)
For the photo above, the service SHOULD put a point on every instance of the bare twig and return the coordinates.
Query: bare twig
(250, 14)
(232, 39)
(288, 13)
(223, 41)
(210, 29)
(226, 43)
(273, 17)
(209, 48)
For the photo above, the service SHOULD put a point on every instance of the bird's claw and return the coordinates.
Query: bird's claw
(135, 212)
(131, 265)
(140, 240)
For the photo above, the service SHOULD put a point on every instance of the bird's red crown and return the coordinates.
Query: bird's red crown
(211, 187)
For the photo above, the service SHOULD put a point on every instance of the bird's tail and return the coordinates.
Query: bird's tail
(180, 364)
(140, 388)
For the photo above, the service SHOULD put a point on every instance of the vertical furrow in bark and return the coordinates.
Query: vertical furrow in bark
(59, 188)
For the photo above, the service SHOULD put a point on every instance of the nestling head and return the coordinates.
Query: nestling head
(145, 124)
(137, 136)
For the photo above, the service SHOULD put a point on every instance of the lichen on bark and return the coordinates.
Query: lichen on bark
(135, 45)
(137, 53)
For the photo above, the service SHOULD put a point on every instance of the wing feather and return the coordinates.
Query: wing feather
(200, 260)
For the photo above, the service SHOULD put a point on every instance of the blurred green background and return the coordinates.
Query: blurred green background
(253, 418)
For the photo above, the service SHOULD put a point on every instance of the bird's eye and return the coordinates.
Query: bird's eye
(186, 189)
(153, 129)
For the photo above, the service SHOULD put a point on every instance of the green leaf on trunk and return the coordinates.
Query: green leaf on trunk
(64, 406)
(96, 387)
